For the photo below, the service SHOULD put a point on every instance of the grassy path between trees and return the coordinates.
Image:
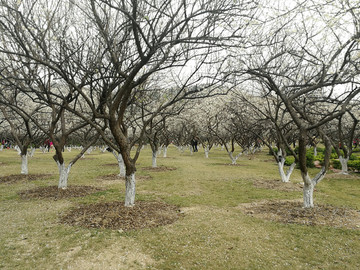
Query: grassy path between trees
(213, 233)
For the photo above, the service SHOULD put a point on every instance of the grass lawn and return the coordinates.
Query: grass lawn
(213, 233)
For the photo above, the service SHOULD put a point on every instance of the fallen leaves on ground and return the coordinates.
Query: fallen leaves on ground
(53, 192)
(21, 177)
(277, 185)
(294, 212)
(114, 215)
(159, 169)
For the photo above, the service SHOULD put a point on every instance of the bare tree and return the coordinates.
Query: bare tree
(310, 73)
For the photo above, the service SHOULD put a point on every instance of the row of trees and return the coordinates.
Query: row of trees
(126, 72)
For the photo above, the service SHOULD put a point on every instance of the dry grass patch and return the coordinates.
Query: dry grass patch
(53, 192)
(293, 212)
(159, 169)
(22, 177)
(116, 216)
(277, 185)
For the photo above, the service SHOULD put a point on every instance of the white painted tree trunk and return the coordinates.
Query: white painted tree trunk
(17, 148)
(68, 148)
(63, 174)
(159, 151)
(120, 160)
(32, 151)
(285, 177)
(234, 159)
(24, 164)
(309, 185)
(344, 164)
(165, 151)
(308, 195)
(315, 151)
(191, 150)
(154, 156)
(122, 170)
(1, 147)
(130, 190)
(206, 150)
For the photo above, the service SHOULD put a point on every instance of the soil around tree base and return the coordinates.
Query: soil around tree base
(115, 216)
(10, 179)
(53, 192)
(294, 212)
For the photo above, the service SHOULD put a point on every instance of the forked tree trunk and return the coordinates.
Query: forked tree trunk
(344, 164)
(24, 164)
(285, 177)
(63, 174)
(130, 190)
(234, 159)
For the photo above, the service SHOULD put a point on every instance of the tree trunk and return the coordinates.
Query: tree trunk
(121, 165)
(206, 150)
(154, 156)
(165, 152)
(24, 164)
(130, 190)
(285, 177)
(344, 164)
(308, 195)
(63, 174)
(315, 151)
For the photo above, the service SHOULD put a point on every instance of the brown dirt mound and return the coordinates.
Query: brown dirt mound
(293, 212)
(20, 177)
(159, 169)
(114, 215)
(53, 192)
(277, 185)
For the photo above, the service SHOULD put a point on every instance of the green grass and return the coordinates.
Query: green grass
(213, 234)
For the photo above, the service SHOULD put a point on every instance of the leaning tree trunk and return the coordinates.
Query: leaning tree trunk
(344, 164)
(122, 170)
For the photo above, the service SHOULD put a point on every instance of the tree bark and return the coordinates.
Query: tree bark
(154, 156)
(24, 164)
(130, 190)
(206, 150)
(63, 174)
(165, 152)
(344, 164)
